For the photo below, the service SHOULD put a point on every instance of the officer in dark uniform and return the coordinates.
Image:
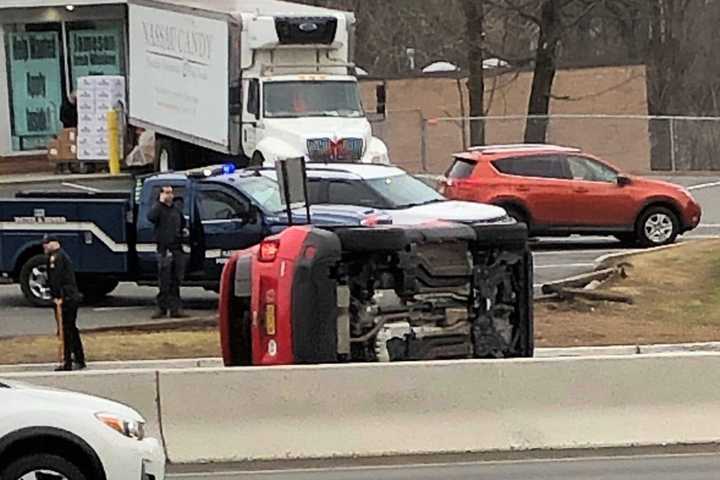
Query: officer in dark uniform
(170, 226)
(65, 293)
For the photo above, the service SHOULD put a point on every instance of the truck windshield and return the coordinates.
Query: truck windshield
(312, 99)
(404, 191)
(264, 191)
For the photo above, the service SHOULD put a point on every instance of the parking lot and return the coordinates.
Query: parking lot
(555, 258)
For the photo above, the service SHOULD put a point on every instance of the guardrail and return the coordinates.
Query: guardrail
(370, 410)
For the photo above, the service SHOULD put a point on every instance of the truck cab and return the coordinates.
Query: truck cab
(260, 81)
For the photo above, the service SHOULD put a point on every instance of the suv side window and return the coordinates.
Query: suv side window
(219, 205)
(582, 168)
(461, 168)
(539, 166)
(350, 193)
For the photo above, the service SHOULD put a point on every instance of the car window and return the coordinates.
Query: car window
(541, 166)
(582, 168)
(461, 168)
(218, 205)
(316, 191)
(351, 193)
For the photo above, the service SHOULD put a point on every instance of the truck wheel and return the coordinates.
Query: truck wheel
(167, 154)
(258, 160)
(42, 466)
(97, 289)
(34, 281)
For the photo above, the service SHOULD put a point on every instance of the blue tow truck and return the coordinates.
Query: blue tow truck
(110, 240)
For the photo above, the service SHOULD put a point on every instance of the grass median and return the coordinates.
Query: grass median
(676, 296)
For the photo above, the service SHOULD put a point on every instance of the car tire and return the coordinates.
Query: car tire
(97, 289)
(657, 226)
(53, 465)
(372, 239)
(33, 286)
(518, 214)
(628, 239)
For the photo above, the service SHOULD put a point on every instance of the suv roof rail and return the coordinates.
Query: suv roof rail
(521, 146)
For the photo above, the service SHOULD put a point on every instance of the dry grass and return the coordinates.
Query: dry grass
(117, 346)
(677, 299)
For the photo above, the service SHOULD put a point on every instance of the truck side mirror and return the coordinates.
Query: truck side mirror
(381, 99)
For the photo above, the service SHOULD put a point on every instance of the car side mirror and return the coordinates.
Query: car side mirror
(623, 181)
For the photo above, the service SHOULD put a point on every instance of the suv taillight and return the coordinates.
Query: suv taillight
(268, 250)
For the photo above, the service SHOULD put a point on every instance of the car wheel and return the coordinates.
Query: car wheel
(517, 213)
(41, 466)
(34, 281)
(626, 238)
(657, 226)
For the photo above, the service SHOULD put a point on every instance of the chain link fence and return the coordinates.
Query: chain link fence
(636, 144)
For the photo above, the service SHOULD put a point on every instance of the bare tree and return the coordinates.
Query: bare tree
(474, 21)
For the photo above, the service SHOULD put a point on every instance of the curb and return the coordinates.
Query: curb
(548, 352)
(601, 262)
(20, 180)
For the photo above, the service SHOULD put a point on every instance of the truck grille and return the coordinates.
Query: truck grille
(328, 150)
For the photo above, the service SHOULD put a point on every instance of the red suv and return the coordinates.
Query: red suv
(562, 191)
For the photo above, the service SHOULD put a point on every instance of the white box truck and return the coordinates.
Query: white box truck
(247, 81)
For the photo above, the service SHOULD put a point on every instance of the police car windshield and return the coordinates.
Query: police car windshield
(404, 191)
(264, 191)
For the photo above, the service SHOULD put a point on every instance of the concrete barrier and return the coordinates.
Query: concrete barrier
(362, 410)
(135, 388)
(377, 410)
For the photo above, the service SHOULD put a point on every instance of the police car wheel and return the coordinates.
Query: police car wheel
(34, 282)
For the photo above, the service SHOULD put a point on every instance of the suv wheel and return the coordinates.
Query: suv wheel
(41, 466)
(657, 226)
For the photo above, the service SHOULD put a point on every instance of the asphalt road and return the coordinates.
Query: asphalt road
(666, 467)
(129, 304)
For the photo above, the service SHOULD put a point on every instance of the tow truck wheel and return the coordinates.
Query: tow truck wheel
(257, 160)
(34, 281)
(96, 289)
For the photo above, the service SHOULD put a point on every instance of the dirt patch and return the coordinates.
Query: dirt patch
(676, 296)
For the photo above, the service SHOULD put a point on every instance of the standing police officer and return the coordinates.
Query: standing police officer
(169, 222)
(65, 294)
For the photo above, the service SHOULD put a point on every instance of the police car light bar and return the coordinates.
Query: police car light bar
(212, 171)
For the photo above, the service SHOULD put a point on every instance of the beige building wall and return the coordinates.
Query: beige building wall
(594, 92)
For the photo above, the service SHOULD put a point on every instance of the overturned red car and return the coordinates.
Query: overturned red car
(437, 291)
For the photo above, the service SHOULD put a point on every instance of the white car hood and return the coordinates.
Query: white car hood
(451, 210)
(38, 396)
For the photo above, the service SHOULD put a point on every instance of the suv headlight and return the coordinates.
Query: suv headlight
(129, 428)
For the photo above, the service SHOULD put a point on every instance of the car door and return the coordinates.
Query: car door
(598, 200)
(542, 183)
(229, 223)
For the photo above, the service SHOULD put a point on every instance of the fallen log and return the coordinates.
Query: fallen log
(596, 295)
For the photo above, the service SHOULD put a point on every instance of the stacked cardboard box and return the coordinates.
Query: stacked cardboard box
(96, 96)
(63, 149)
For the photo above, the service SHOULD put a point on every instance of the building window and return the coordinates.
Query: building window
(38, 71)
(95, 48)
(34, 66)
